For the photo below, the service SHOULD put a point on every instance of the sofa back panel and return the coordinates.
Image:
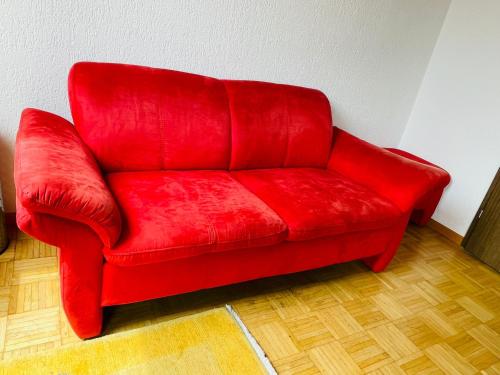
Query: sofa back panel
(276, 125)
(139, 118)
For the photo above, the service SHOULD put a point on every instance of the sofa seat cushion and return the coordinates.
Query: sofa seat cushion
(318, 203)
(177, 214)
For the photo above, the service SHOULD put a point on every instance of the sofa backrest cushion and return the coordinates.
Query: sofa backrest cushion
(276, 125)
(138, 118)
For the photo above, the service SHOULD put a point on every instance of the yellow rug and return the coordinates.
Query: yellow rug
(211, 342)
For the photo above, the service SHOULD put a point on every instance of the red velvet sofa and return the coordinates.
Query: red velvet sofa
(172, 182)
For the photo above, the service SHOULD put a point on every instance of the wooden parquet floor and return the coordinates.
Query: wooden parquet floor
(435, 310)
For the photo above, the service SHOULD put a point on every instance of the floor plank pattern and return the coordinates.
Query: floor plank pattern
(435, 310)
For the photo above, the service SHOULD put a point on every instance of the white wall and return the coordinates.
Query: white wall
(367, 56)
(456, 118)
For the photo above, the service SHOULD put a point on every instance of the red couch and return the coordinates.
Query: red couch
(172, 182)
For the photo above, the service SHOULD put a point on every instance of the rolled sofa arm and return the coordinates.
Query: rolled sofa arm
(56, 174)
(400, 179)
(424, 208)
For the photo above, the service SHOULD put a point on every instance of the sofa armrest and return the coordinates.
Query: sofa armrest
(400, 179)
(56, 174)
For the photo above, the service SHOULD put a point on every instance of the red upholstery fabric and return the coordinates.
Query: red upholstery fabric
(278, 125)
(318, 203)
(378, 263)
(133, 284)
(137, 118)
(56, 174)
(176, 214)
(410, 156)
(80, 266)
(424, 208)
(166, 141)
(399, 179)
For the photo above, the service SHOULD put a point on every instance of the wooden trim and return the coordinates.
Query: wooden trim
(489, 193)
(445, 231)
(10, 219)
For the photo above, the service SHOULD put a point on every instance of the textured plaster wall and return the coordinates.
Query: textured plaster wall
(456, 118)
(367, 56)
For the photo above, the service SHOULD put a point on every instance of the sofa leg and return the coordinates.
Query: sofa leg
(379, 263)
(426, 206)
(81, 290)
(86, 326)
(80, 268)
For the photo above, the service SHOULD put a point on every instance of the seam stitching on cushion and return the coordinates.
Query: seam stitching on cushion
(332, 129)
(145, 257)
(260, 199)
(287, 114)
(144, 251)
(162, 127)
(230, 111)
(384, 224)
(212, 232)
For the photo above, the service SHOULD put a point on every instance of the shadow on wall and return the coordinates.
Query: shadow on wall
(7, 174)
